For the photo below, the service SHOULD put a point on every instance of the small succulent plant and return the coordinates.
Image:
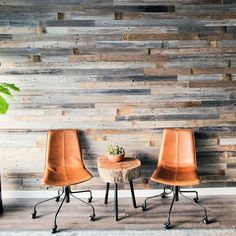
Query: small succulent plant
(115, 150)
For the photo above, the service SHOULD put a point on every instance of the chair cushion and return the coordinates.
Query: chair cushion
(184, 176)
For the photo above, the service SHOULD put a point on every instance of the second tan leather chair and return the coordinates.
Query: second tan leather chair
(177, 167)
(64, 167)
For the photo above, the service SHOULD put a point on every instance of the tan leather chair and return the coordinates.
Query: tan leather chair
(177, 167)
(64, 167)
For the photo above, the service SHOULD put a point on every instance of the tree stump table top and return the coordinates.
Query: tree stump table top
(118, 172)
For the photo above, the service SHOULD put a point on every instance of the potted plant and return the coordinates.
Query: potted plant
(5, 91)
(115, 153)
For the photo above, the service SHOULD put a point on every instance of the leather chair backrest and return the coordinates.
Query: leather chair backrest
(64, 162)
(178, 148)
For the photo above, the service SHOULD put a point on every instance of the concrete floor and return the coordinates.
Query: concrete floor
(75, 215)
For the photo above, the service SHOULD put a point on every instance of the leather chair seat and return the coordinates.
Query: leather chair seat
(181, 176)
(58, 176)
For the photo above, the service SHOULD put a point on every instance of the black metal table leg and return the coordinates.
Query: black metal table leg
(132, 193)
(107, 193)
(116, 201)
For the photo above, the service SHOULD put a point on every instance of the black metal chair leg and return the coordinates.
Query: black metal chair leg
(132, 193)
(47, 200)
(176, 189)
(85, 191)
(205, 218)
(67, 193)
(92, 217)
(164, 193)
(196, 199)
(167, 225)
(59, 195)
(54, 229)
(107, 193)
(116, 201)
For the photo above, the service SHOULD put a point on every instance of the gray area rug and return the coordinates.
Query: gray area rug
(173, 232)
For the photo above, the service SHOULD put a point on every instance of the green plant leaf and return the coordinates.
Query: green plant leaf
(5, 91)
(11, 86)
(3, 105)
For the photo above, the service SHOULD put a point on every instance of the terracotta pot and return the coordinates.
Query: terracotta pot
(116, 158)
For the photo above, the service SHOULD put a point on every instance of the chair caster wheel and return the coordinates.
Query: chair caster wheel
(144, 208)
(196, 199)
(54, 229)
(92, 217)
(163, 196)
(205, 220)
(57, 199)
(90, 199)
(167, 226)
(33, 215)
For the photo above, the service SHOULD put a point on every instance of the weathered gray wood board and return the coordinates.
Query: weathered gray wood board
(120, 71)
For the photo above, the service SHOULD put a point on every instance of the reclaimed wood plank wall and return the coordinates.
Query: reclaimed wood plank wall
(120, 71)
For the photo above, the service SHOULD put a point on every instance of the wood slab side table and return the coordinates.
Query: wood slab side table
(116, 173)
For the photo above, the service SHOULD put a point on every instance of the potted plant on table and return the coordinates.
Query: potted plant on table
(115, 153)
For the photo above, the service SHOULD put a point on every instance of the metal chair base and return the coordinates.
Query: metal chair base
(176, 193)
(162, 195)
(66, 191)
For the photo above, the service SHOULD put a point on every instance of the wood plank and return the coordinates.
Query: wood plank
(120, 71)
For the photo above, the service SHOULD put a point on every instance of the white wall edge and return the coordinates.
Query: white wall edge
(121, 193)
